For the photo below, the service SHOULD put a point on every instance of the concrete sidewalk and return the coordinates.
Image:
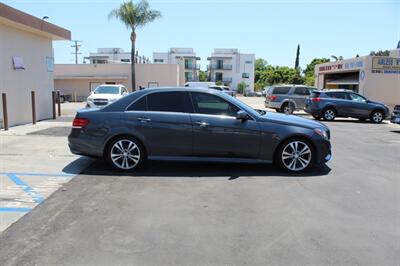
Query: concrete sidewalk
(34, 162)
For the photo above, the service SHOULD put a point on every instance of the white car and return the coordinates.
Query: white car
(105, 94)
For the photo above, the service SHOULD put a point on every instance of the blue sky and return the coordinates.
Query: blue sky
(271, 29)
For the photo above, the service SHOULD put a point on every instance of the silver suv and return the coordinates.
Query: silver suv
(287, 98)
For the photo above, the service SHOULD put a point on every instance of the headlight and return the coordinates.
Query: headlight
(323, 133)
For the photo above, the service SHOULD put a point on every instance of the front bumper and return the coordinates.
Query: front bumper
(324, 151)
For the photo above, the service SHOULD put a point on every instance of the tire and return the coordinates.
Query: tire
(377, 116)
(125, 154)
(278, 110)
(290, 151)
(329, 114)
(287, 108)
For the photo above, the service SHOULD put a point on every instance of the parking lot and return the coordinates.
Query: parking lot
(346, 212)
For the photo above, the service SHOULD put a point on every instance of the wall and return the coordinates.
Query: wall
(19, 83)
(75, 79)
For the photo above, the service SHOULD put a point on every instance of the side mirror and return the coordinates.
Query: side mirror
(241, 115)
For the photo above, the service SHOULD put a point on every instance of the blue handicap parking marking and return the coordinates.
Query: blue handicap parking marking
(31, 192)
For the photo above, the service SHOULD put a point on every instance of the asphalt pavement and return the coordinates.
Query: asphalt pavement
(346, 213)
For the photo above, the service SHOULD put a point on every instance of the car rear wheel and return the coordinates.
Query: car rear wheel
(377, 116)
(329, 114)
(295, 155)
(287, 108)
(125, 154)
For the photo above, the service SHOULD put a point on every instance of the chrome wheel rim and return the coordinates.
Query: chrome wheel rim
(329, 114)
(377, 117)
(125, 154)
(296, 155)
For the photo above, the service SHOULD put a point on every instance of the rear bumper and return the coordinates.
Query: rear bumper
(82, 144)
(273, 105)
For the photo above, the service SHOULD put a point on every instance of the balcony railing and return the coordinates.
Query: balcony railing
(219, 67)
(192, 66)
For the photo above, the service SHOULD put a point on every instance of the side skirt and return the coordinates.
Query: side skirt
(207, 159)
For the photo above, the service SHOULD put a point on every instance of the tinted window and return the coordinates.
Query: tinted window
(337, 95)
(139, 105)
(281, 90)
(169, 102)
(302, 91)
(315, 94)
(212, 105)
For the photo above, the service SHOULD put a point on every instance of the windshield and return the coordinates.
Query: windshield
(106, 90)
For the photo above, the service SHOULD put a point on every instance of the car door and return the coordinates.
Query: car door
(163, 121)
(217, 132)
(341, 101)
(300, 95)
(360, 107)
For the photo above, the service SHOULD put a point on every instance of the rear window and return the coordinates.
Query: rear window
(315, 94)
(280, 90)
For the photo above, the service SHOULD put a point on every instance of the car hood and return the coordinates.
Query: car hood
(104, 96)
(293, 120)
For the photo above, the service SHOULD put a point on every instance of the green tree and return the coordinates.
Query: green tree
(309, 71)
(241, 87)
(297, 62)
(134, 16)
(203, 76)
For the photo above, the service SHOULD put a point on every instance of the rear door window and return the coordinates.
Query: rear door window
(281, 90)
(139, 105)
(338, 95)
(169, 102)
(302, 91)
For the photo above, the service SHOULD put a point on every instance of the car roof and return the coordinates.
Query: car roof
(192, 89)
(334, 90)
(111, 85)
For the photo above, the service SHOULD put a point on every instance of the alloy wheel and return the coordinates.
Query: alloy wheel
(288, 109)
(125, 154)
(377, 117)
(296, 155)
(329, 114)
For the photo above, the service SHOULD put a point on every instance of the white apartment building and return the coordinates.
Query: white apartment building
(109, 56)
(231, 67)
(186, 57)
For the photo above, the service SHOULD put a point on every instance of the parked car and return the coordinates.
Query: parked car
(105, 94)
(329, 104)
(197, 125)
(287, 98)
(395, 118)
(225, 89)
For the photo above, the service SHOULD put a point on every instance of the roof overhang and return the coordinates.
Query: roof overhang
(18, 19)
(93, 77)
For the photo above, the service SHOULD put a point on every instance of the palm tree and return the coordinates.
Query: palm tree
(134, 16)
(337, 58)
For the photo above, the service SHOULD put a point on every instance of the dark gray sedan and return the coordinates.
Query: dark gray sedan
(197, 125)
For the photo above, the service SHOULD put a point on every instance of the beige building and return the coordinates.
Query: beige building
(78, 81)
(26, 64)
(375, 77)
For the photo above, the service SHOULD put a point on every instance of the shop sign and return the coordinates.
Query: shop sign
(330, 67)
(355, 64)
(386, 65)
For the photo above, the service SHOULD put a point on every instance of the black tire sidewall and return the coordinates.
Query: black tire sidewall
(142, 151)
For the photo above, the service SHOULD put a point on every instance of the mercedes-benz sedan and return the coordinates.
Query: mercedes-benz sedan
(197, 125)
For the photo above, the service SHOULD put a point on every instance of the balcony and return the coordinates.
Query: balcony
(192, 66)
(219, 67)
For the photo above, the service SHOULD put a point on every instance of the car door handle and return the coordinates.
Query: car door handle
(202, 123)
(144, 120)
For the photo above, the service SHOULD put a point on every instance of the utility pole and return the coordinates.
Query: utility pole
(76, 46)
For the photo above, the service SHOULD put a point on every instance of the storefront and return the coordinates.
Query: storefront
(376, 77)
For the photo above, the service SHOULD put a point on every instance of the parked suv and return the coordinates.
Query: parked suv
(344, 103)
(287, 98)
(396, 115)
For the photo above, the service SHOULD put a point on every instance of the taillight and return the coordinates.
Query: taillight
(316, 100)
(272, 98)
(80, 122)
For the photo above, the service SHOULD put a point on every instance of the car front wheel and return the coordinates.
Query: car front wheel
(295, 155)
(125, 154)
(377, 117)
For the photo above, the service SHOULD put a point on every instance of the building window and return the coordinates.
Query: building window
(125, 60)
(158, 60)
(249, 62)
(245, 75)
